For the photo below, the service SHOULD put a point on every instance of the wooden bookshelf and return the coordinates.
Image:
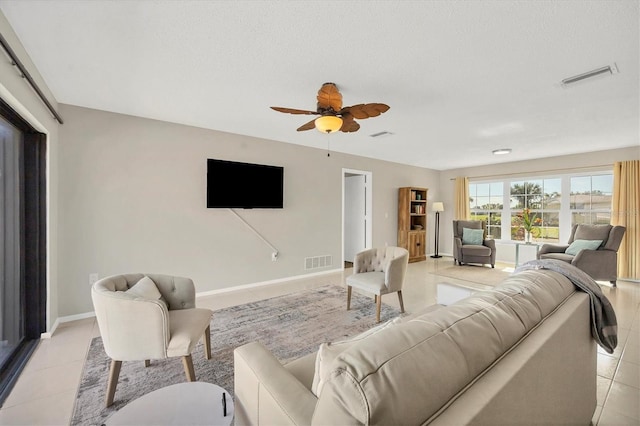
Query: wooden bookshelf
(412, 221)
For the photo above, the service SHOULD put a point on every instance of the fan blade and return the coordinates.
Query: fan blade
(294, 111)
(329, 97)
(362, 111)
(348, 124)
(310, 125)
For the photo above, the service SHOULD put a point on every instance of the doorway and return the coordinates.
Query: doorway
(357, 229)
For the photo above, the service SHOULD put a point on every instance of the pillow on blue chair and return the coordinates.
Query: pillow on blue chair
(579, 245)
(472, 236)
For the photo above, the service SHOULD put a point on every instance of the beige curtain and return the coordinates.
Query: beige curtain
(625, 211)
(462, 199)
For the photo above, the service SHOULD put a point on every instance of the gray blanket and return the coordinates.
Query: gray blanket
(604, 326)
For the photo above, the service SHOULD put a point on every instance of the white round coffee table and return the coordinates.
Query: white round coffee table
(191, 403)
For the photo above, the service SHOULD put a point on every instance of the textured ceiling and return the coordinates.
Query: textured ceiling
(462, 77)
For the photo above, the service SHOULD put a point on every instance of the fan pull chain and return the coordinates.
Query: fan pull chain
(328, 140)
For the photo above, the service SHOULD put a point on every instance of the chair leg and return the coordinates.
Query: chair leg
(147, 362)
(114, 372)
(401, 302)
(207, 342)
(375, 298)
(348, 297)
(187, 362)
(378, 307)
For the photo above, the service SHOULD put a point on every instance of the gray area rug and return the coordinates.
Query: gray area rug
(289, 326)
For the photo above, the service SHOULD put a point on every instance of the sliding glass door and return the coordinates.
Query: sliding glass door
(11, 312)
(22, 244)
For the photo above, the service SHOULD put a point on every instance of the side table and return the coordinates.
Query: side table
(518, 244)
(190, 403)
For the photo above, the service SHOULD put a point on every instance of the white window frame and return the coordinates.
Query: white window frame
(565, 213)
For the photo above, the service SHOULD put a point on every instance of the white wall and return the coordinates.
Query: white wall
(17, 92)
(578, 163)
(132, 199)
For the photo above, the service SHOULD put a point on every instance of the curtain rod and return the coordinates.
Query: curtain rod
(25, 74)
(538, 171)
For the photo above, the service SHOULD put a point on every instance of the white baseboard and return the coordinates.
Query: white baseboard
(76, 317)
(62, 320)
(266, 283)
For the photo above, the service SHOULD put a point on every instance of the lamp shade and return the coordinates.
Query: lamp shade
(438, 206)
(328, 123)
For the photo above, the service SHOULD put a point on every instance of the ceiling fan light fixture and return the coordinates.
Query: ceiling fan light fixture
(501, 151)
(328, 123)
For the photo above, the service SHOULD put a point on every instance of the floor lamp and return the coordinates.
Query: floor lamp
(437, 207)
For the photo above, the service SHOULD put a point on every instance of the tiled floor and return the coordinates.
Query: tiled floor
(45, 392)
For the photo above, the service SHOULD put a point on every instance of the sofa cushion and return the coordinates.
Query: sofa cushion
(558, 256)
(578, 245)
(473, 250)
(437, 354)
(372, 281)
(472, 236)
(592, 232)
(329, 351)
(146, 289)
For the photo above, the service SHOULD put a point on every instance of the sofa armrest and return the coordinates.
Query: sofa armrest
(132, 328)
(266, 392)
(490, 243)
(394, 273)
(552, 248)
(457, 249)
(599, 264)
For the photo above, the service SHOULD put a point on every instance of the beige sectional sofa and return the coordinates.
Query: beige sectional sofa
(521, 353)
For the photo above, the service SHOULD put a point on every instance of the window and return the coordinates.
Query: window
(543, 199)
(590, 199)
(486, 204)
(585, 199)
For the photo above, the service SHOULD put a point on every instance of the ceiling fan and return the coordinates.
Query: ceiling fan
(333, 116)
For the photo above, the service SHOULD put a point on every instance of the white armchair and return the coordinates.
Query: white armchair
(145, 317)
(379, 271)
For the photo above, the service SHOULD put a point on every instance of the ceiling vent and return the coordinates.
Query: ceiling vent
(609, 69)
(381, 134)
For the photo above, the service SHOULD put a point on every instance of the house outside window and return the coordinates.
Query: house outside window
(590, 199)
(555, 203)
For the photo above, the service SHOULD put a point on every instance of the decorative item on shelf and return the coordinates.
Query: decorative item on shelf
(417, 227)
(418, 196)
(437, 207)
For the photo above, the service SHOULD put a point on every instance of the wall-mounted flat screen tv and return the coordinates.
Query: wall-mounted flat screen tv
(231, 184)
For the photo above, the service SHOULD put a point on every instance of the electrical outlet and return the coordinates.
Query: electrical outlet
(274, 256)
(93, 277)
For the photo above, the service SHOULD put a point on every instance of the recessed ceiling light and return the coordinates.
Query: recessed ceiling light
(501, 151)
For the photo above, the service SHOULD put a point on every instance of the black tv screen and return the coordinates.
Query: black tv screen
(231, 184)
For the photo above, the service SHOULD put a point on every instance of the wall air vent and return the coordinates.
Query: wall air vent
(317, 262)
(608, 70)
(381, 134)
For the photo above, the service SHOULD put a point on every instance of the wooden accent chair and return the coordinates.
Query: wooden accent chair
(379, 271)
(145, 317)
